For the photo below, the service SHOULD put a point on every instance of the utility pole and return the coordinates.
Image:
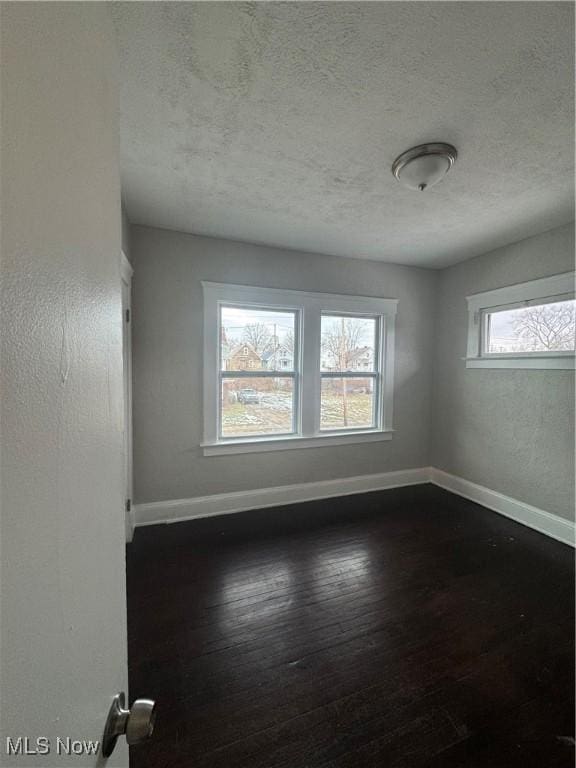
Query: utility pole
(342, 368)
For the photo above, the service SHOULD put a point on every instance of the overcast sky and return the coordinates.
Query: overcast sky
(501, 322)
(234, 321)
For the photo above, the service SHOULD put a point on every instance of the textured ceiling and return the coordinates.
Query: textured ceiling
(278, 122)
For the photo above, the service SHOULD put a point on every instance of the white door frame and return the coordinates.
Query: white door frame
(126, 273)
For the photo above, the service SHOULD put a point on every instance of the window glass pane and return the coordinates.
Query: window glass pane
(348, 343)
(539, 328)
(256, 339)
(256, 406)
(347, 403)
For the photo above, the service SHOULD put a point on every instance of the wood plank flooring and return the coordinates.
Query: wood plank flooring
(401, 629)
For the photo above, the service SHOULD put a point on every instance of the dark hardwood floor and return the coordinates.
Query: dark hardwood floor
(405, 628)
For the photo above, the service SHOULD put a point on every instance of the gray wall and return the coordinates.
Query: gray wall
(168, 328)
(509, 430)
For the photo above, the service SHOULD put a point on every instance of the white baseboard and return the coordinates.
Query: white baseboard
(227, 503)
(180, 510)
(544, 522)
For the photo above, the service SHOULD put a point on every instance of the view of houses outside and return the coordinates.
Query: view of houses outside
(542, 328)
(257, 340)
(253, 340)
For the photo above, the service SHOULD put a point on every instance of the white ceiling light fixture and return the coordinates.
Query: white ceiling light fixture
(425, 165)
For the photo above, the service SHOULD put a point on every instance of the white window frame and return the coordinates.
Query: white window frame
(309, 308)
(480, 305)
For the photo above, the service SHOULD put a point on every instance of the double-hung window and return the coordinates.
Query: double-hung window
(287, 369)
(527, 325)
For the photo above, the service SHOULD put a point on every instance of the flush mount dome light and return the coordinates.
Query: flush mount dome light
(424, 166)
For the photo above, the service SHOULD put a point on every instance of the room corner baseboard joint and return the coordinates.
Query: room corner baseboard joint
(545, 522)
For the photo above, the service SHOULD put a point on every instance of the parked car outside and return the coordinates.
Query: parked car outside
(249, 396)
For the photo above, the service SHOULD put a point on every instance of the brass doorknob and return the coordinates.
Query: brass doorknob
(137, 723)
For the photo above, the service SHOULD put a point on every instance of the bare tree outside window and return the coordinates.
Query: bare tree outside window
(540, 328)
(289, 340)
(259, 336)
(341, 342)
(547, 327)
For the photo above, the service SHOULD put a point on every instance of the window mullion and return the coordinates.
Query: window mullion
(310, 371)
(386, 366)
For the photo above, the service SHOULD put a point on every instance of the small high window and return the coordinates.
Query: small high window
(530, 325)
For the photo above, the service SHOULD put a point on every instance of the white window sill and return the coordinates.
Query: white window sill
(265, 444)
(544, 362)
